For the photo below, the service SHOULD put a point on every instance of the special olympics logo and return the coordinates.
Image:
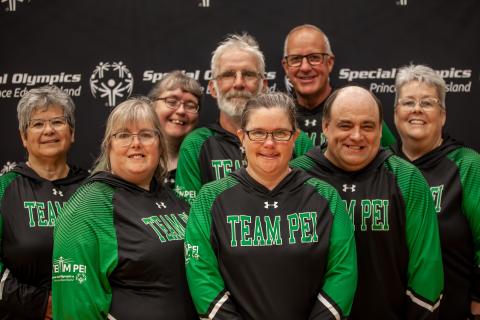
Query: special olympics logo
(7, 167)
(12, 4)
(111, 81)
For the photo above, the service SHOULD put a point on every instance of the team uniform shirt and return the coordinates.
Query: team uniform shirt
(310, 121)
(211, 153)
(29, 208)
(453, 173)
(118, 253)
(169, 180)
(288, 253)
(396, 231)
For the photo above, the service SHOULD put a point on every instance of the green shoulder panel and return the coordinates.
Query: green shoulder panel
(388, 138)
(468, 164)
(85, 253)
(188, 177)
(5, 181)
(303, 162)
(341, 272)
(302, 144)
(203, 275)
(425, 271)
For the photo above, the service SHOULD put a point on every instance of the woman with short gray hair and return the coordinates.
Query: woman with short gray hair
(31, 198)
(453, 173)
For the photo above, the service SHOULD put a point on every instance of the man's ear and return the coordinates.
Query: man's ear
(211, 87)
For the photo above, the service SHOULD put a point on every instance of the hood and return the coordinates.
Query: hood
(75, 174)
(317, 155)
(293, 180)
(224, 134)
(431, 158)
(117, 182)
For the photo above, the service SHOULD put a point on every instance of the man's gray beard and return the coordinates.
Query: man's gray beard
(230, 108)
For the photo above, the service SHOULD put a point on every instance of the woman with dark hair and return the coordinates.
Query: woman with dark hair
(31, 199)
(118, 250)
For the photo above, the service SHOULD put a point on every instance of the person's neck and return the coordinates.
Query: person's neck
(415, 149)
(268, 180)
(312, 101)
(173, 146)
(49, 169)
(231, 124)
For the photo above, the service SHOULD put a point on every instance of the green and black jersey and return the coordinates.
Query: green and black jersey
(29, 209)
(118, 253)
(211, 153)
(396, 231)
(281, 254)
(310, 122)
(453, 173)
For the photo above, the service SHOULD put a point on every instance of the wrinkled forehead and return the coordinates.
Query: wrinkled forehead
(235, 59)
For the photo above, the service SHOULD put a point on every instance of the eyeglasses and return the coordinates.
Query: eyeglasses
(228, 77)
(425, 103)
(174, 103)
(314, 59)
(262, 135)
(125, 138)
(57, 123)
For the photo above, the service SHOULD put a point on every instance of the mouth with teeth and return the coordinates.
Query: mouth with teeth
(136, 156)
(50, 141)
(416, 122)
(177, 122)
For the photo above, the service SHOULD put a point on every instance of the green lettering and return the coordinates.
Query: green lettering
(305, 217)
(245, 231)
(437, 192)
(42, 222)
(366, 213)
(172, 233)
(233, 220)
(216, 164)
(258, 236)
(293, 227)
(177, 226)
(150, 221)
(273, 231)
(351, 210)
(30, 205)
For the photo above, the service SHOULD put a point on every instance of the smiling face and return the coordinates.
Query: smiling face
(233, 95)
(416, 125)
(308, 81)
(268, 158)
(47, 142)
(353, 131)
(176, 123)
(135, 162)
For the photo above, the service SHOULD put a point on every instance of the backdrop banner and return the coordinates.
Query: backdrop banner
(102, 52)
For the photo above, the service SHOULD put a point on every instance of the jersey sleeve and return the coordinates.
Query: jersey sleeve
(302, 162)
(388, 138)
(14, 294)
(425, 270)
(468, 163)
(302, 144)
(335, 299)
(206, 284)
(84, 255)
(188, 180)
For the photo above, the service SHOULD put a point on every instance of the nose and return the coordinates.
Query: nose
(181, 108)
(417, 107)
(355, 134)
(48, 127)
(135, 141)
(239, 82)
(269, 141)
(305, 65)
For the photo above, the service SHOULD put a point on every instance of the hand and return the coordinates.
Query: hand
(48, 313)
(475, 309)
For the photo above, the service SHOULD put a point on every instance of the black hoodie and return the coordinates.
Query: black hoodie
(453, 173)
(29, 208)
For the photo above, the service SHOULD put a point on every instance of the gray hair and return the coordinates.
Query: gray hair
(177, 80)
(327, 107)
(42, 98)
(133, 110)
(328, 48)
(270, 100)
(420, 73)
(244, 42)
